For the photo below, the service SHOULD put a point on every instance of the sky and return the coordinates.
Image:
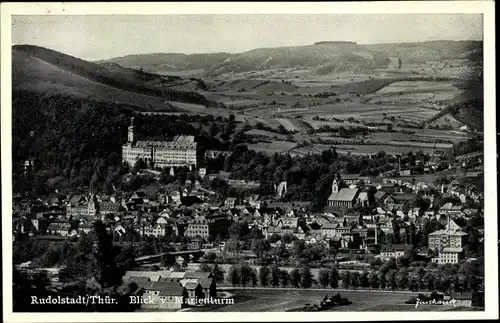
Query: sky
(94, 37)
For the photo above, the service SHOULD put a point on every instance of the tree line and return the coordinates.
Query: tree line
(447, 278)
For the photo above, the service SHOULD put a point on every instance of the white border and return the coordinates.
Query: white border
(490, 211)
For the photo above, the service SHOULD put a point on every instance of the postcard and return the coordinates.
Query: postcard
(271, 161)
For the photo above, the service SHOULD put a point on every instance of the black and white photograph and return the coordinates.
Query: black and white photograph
(167, 163)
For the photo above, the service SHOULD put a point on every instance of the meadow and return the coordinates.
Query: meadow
(269, 300)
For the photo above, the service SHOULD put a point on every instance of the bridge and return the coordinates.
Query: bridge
(149, 259)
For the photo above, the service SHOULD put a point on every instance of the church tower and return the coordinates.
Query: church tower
(335, 187)
(131, 129)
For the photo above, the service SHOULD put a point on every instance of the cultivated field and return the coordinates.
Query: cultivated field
(361, 149)
(272, 147)
(295, 99)
(264, 133)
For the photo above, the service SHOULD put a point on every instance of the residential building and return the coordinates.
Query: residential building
(389, 187)
(160, 229)
(164, 295)
(58, 228)
(286, 222)
(380, 195)
(206, 281)
(198, 227)
(450, 255)
(109, 207)
(392, 251)
(329, 229)
(352, 179)
(405, 172)
(220, 175)
(231, 202)
(451, 236)
(193, 288)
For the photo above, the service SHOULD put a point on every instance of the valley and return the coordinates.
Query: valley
(306, 98)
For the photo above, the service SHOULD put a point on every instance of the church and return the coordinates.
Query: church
(341, 201)
(181, 151)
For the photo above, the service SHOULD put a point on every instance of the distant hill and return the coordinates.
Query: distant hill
(41, 70)
(419, 52)
(164, 63)
(468, 107)
(320, 58)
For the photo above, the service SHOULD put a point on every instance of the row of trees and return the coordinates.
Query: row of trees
(445, 279)
(404, 279)
(245, 275)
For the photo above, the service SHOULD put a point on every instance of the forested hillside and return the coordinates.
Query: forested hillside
(77, 143)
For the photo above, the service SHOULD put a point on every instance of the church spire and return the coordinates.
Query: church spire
(335, 187)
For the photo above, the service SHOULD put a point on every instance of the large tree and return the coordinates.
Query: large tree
(324, 277)
(275, 276)
(334, 278)
(233, 276)
(218, 273)
(246, 274)
(306, 277)
(295, 277)
(264, 273)
(284, 277)
(346, 279)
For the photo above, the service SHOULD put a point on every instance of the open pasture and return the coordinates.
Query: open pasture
(316, 124)
(188, 107)
(412, 98)
(269, 300)
(235, 103)
(447, 120)
(440, 133)
(365, 113)
(272, 146)
(360, 109)
(417, 86)
(287, 124)
(415, 136)
(393, 148)
(268, 122)
(264, 133)
(294, 124)
(390, 149)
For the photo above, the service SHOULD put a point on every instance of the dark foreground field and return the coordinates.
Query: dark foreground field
(282, 300)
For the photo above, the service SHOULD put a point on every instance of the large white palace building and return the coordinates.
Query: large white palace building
(181, 151)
